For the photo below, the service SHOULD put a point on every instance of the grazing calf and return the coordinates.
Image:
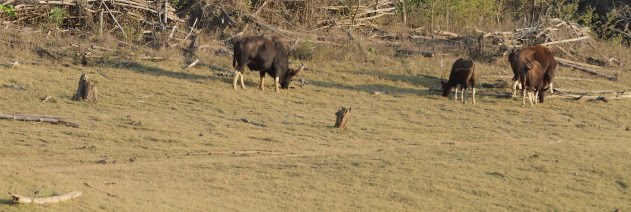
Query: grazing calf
(263, 55)
(532, 79)
(462, 73)
(542, 54)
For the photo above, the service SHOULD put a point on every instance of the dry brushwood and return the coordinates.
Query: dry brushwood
(343, 115)
(86, 91)
(586, 68)
(46, 200)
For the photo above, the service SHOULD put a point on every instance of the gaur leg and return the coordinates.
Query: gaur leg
(465, 95)
(462, 93)
(242, 84)
(551, 88)
(473, 94)
(536, 100)
(456, 95)
(277, 84)
(236, 78)
(514, 87)
(262, 74)
(530, 97)
(523, 101)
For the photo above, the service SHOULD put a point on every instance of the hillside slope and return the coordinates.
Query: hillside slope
(161, 138)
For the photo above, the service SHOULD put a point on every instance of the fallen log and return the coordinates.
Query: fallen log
(592, 69)
(584, 92)
(590, 98)
(41, 118)
(46, 200)
(555, 78)
(253, 123)
(448, 34)
(192, 64)
(566, 41)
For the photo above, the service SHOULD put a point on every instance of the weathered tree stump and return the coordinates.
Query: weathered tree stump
(86, 90)
(342, 117)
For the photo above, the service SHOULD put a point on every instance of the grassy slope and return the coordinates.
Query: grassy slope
(406, 150)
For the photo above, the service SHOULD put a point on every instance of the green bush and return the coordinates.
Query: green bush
(57, 15)
(7, 11)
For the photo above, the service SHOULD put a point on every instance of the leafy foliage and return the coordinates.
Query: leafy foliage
(57, 15)
(7, 11)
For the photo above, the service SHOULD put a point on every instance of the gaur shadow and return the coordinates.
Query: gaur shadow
(427, 81)
(7, 202)
(145, 69)
(369, 88)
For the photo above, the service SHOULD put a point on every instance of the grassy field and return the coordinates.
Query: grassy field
(164, 139)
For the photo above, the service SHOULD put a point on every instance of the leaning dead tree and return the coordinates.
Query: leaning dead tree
(86, 91)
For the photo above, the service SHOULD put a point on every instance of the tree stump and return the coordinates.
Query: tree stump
(342, 117)
(86, 90)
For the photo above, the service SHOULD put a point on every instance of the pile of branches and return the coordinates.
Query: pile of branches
(563, 35)
(553, 31)
(81, 13)
(360, 14)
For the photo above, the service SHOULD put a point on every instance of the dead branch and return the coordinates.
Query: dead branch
(46, 200)
(556, 78)
(115, 20)
(592, 69)
(253, 123)
(152, 58)
(585, 92)
(590, 98)
(566, 41)
(49, 119)
(192, 64)
(448, 34)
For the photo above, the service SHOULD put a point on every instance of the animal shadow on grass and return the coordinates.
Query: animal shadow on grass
(7, 202)
(369, 88)
(157, 71)
(427, 81)
(417, 80)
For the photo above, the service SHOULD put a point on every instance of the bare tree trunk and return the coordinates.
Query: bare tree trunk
(405, 12)
(101, 23)
(86, 91)
(342, 117)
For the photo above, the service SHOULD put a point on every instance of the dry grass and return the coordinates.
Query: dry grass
(155, 128)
